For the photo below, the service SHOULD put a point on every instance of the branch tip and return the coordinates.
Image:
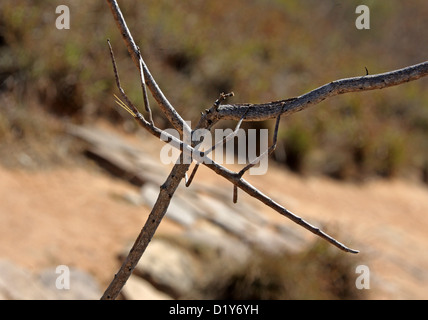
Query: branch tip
(235, 194)
(223, 96)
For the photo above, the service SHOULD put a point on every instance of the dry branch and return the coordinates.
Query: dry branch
(156, 215)
(169, 111)
(270, 110)
(238, 112)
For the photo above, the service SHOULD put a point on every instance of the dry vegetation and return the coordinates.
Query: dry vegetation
(262, 50)
(201, 49)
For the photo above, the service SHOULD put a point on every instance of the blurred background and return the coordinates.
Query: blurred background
(262, 50)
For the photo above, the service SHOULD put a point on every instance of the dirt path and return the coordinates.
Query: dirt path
(68, 216)
(78, 217)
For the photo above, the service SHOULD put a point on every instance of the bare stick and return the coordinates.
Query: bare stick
(267, 153)
(239, 182)
(156, 215)
(245, 186)
(271, 110)
(223, 96)
(218, 112)
(131, 108)
(192, 175)
(228, 137)
(216, 104)
(205, 153)
(143, 88)
(171, 114)
(235, 194)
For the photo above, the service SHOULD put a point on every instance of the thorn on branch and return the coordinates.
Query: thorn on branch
(225, 139)
(223, 96)
(269, 151)
(143, 88)
(235, 194)
(192, 175)
(229, 136)
(128, 106)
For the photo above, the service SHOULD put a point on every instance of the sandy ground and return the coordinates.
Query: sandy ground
(78, 217)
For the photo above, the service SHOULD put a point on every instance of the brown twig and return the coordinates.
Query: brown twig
(270, 110)
(252, 163)
(230, 136)
(267, 153)
(144, 90)
(239, 112)
(169, 111)
(131, 108)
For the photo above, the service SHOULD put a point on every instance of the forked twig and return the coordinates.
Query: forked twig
(143, 88)
(270, 110)
(252, 163)
(266, 153)
(254, 112)
(229, 136)
(168, 110)
(129, 106)
(223, 141)
(223, 96)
